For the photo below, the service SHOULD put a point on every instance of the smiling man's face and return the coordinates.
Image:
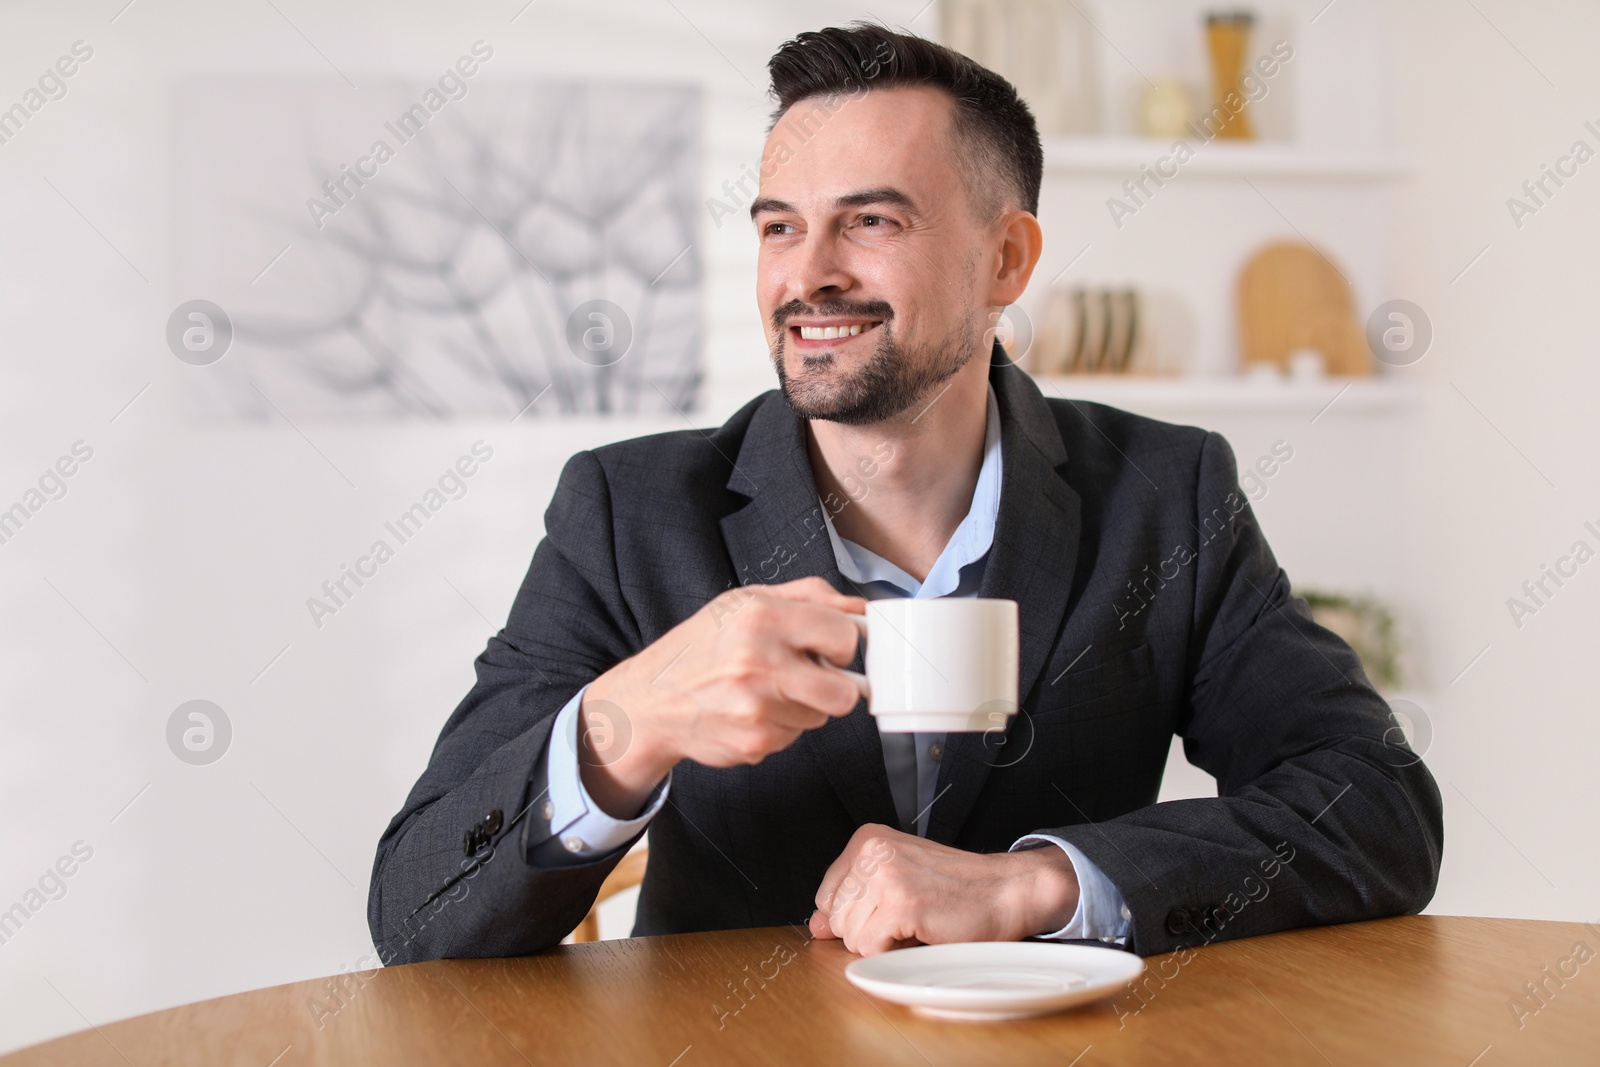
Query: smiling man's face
(866, 233)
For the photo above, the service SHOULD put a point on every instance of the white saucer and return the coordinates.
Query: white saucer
(994, 979)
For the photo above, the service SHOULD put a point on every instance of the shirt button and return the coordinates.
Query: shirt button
(547, 811)
(935, 750)
(572, 843)
(1109, 939)
(1126, 914)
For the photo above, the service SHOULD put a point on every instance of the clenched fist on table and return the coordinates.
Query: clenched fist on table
(888, 887)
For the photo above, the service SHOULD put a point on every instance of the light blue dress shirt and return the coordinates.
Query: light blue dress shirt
(911, 760)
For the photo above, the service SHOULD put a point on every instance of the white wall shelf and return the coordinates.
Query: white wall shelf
(1184, 398)
(1218, 159)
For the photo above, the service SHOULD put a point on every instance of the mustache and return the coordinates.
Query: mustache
(869, 309)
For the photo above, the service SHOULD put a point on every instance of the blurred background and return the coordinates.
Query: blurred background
(244, 346)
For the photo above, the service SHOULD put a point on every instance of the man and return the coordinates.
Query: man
(670, 661)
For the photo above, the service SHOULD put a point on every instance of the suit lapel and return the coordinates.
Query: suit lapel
(1031, 561)
(780, 536)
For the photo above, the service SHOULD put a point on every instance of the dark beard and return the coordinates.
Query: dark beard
(884, 387)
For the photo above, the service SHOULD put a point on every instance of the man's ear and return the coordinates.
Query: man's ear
(1021, 243)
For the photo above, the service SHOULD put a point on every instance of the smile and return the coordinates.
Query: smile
(832, 332)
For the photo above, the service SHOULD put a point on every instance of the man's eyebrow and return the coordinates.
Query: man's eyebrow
(767, 203)
(884, 195)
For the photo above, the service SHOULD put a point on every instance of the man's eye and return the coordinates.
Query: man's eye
(767, 229)
(869, 218)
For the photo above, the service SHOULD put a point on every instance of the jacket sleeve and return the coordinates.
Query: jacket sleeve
(1323, 815)
(458, 870)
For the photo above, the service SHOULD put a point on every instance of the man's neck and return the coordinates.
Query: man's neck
(900, 488)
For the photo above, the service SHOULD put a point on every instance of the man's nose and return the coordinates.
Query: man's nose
(819, 270)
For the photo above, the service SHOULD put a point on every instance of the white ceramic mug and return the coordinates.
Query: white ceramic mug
(941, 665)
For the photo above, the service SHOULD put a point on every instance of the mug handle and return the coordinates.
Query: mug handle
(855, 676)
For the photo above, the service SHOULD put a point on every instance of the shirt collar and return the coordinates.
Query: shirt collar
(969, 543)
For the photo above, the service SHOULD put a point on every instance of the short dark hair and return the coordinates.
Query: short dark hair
(993, 132)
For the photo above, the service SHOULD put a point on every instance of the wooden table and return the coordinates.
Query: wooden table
(1411, 990)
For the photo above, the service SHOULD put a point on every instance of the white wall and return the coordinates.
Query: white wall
(1516, 735)
(178, 564)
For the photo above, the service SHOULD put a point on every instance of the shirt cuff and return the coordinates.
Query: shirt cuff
(585, 831)
(1101, 911)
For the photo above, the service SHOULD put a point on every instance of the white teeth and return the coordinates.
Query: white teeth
(823, 333)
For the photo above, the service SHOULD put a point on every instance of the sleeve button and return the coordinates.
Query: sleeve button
(1178, 921)
(493, 821)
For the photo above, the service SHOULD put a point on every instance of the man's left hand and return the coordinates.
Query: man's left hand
(889, 886)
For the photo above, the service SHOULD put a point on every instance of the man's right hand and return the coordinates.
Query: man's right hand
(731, 684)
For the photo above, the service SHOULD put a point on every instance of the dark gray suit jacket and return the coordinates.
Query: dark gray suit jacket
(1150, 605)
